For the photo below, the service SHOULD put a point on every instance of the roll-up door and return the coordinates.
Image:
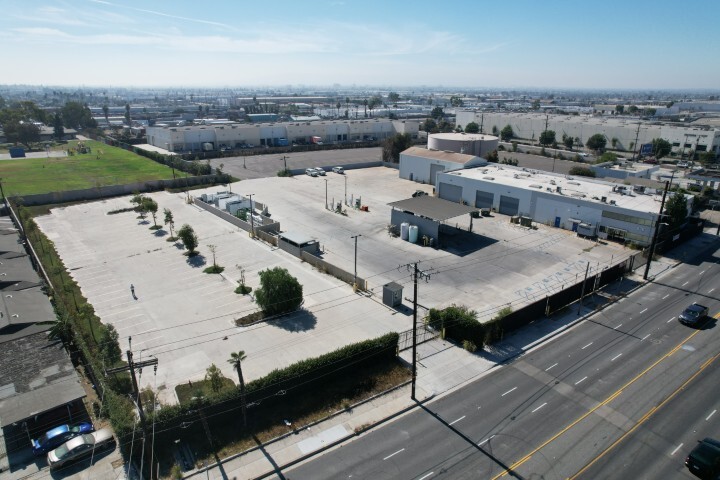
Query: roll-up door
(484, 199)
(449, 192)
(509, 205)
(434, 169)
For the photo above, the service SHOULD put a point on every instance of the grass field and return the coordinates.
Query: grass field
(104, 165)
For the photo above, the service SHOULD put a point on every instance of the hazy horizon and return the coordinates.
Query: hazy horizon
(564, 45)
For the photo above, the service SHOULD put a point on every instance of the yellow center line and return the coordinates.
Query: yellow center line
(589, 412)
(647, 416)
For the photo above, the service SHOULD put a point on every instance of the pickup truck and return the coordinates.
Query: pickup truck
(694, 314)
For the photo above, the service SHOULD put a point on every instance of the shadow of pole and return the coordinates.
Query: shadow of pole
(472, 443)
(276, 467)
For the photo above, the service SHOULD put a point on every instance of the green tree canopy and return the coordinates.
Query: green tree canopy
(25, 133)
(661, 148)
(279, 291)
(109, 346)
(582, 172)
(547, 137)
(188, 238)
(456, 101)
(393, 97)
(391, 147)
(429, 125)
(676, 210)
(507, 133)
(77, 115)
(472, 127)
(58, 130)
(150, 205)
(632, 109)
(597, 142)
(568, 141)
(214, 376)
(707, 158)
(437, 113)
(620, 109)
(607, 157)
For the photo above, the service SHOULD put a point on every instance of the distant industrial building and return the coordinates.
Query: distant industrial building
(621, 133)
(182, 139)
(468, 143)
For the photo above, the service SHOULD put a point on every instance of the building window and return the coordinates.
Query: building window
(627, 218)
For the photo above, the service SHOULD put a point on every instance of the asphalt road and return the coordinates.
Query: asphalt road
(551, 412)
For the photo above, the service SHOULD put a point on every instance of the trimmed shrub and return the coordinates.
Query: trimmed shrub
(459, 323)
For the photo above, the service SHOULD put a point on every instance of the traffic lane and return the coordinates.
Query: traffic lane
(620, 409)
(661, 444)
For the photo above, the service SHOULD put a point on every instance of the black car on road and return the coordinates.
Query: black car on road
(704, 460)
(694, 315)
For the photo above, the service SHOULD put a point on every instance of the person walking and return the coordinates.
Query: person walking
(132, 290)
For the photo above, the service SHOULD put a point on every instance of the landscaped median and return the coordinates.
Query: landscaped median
(301, 393)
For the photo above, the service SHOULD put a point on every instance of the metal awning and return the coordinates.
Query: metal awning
(433, 208)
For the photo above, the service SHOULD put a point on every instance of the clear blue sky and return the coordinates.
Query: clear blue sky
(636, 44)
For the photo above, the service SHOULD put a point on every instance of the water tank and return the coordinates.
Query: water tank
(413, 234)
(404, 230)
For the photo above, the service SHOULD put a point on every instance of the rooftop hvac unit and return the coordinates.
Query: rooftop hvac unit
(612, 202)
(603, 199)
(558, 189)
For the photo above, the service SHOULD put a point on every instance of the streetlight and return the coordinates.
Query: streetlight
(345, 189)
(355, 277)
(252, 222)
(326, 180)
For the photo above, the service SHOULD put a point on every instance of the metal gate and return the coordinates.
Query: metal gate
(434, 169)
(484, 199)
(509, 205)
(424, 334)
(452, 193)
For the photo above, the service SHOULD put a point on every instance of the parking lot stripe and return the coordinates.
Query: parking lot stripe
(711, 414)
(616, 357)
(511, 390)
(583, 348)
(538, 408)
(580, 381)
(551, 366)
(677, 448)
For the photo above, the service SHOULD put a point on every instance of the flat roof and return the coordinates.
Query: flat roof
(592, 190)
(463, 136)
(36, 375)
(297, 238)
(432, 207)
(459, 158)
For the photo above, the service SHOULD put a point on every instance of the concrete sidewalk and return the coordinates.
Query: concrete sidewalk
(442, 368)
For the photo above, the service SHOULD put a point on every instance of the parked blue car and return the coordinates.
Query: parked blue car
(59, 435)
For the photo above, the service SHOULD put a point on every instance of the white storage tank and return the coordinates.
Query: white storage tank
(413, 234)
(404, 230)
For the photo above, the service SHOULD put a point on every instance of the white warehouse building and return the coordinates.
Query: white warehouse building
(588, 206)
(193, 138)
(624, 130)
(467, 143)
(421, 165)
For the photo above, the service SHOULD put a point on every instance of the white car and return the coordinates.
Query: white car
(340, 170)
(320, 171)
(80, 446)
(683, 164)
(311, 172)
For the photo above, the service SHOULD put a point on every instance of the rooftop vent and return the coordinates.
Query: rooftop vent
(574, 183)
(488, 178)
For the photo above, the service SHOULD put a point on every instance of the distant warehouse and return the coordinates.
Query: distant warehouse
(587, 206)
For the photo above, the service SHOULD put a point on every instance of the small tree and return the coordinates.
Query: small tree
(58, 129)
(170, 222)
(597, 142)
(214, 376)
(495, 130)
(607, 157)
(188, 238)
(619, 109)
(676, 210)
(150, 205)
(707, 158)
(547, 137)
(661, 147)
(109, 346)
(391, 147)
(279, 292)
(235, 360)
(582, 172)
(437, 113)
(568, 142)
(507, 133)
(215, 268)
(472, 127)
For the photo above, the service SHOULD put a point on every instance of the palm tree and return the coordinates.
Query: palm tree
(106, 111)
(235, 360)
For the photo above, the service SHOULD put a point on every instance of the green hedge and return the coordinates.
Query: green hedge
(459, 323)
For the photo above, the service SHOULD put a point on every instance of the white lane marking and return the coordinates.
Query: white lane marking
(676, 449)
(538, 408)
(551, 366)
(711, 290)
(666, 296)
(643, 338)
(393, 454)
(701, 272)
(673, 318)
(583, 348)
(511, 390)
(619, 326)
(455, 421)
(711, 414)
(580, 381)
(426, 476)
(643, 310)
(684, 284)
(616, 357)
(485, 441)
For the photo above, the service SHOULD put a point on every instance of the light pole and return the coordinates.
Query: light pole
(355, 277)
(345, 189)
(326, 180)
(252, 222)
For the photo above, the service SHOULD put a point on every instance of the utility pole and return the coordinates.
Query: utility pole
(637, 135)
(284, 159)
(252, 222)
(345, 189)
(582, 292)
(355, 277)
(417, 273)
(482, 120)
(131, 367)
(546, 121)
(651, 252)
(2, 192)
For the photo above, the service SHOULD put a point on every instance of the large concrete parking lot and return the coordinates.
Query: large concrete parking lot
(184, 317)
